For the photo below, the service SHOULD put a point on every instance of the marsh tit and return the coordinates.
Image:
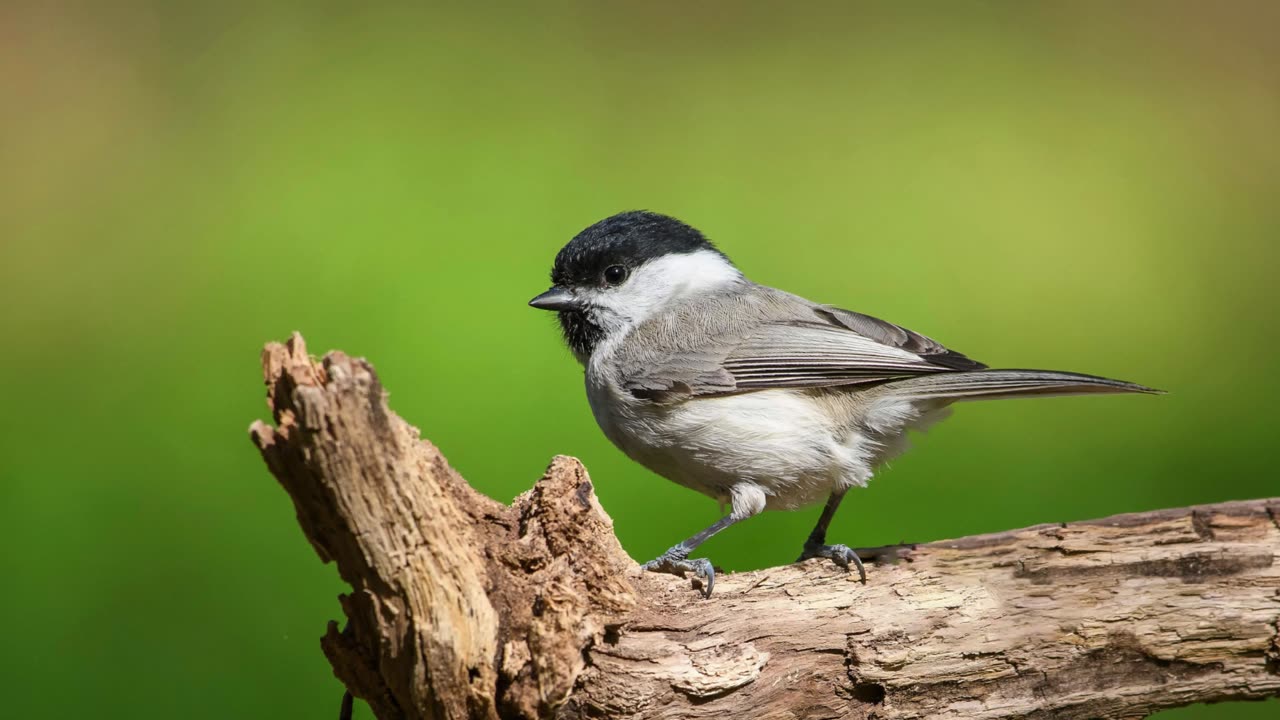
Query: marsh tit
(753, 396)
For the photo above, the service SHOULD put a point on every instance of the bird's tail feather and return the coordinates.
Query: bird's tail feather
(995, 384)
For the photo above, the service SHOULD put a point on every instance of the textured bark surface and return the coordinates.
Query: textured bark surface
(462, 607)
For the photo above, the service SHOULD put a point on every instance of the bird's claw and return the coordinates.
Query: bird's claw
(675, 563)
(841, 555)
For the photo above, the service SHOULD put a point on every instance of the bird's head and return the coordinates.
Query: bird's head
(622, 270)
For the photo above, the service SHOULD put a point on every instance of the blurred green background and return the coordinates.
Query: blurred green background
(1070, 185)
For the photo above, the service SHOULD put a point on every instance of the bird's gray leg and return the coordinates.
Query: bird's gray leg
(816, 545)
(676, 559)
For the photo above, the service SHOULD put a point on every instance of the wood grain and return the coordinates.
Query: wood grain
(462, 607)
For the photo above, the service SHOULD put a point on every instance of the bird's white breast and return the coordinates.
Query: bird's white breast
(773, 448)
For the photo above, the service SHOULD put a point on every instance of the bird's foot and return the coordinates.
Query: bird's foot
(676, 562)
(842, 555)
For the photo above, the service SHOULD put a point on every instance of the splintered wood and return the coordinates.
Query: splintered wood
(462, 607)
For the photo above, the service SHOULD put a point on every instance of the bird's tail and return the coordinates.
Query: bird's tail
(995, 384)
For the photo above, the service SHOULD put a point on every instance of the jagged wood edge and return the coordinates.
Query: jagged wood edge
(464, 607)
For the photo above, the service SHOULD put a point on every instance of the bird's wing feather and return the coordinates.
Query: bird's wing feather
(807, 355)
(886, 333)
(784, 342)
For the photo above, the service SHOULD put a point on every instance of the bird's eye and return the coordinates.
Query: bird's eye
(615, 274)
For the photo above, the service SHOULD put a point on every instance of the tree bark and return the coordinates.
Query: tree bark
(462, 607)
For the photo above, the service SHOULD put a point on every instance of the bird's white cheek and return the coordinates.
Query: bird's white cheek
(658, 283)
(606, 310)
(636, 301)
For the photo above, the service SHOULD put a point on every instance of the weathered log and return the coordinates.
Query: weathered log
(462, 607)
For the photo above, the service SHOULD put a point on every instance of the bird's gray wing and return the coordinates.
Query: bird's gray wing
(896, 336)
(784, 342)
(819, 355)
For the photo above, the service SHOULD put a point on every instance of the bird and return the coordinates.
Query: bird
(753, 396)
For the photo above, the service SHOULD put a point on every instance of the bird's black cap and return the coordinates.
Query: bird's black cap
(629, 239)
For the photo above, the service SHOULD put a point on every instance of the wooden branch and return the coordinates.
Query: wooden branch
(462, 607)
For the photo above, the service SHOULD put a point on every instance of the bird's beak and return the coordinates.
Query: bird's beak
(557, 298)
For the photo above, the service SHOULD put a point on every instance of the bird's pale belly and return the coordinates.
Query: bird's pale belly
(773, 448)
